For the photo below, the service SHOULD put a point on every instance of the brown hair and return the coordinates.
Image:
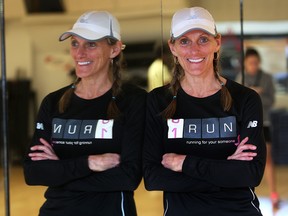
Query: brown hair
(178, 74)
(116, 68)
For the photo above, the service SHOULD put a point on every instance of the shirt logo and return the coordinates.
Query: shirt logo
(252, 124)
(207, 128)
(82, 129)
(39, 126)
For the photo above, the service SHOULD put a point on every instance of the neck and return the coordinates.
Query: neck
(89, 88)
(201, 86)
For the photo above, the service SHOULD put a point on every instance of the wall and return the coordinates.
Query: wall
(32, 40)
(18, 51)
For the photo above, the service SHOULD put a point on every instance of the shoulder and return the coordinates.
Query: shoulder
(159, 97)
(241, 94)
(56, 95)
(53, 98)
(161, 92)
(130, 90)
(50, 101)
(131, 95)
(238, 89)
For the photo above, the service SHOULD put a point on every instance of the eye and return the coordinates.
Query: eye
(91, 44)
(74, 43)
(184, 41)
(203, 40)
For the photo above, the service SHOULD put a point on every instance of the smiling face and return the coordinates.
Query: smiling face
(195, 52)
(92, 57)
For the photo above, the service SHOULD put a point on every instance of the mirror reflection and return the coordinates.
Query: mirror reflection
(37, 64)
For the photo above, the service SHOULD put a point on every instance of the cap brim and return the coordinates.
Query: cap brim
(180, 31)
(82, 33)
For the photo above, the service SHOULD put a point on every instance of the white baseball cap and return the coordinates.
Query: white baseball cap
(94, 25)
(187, 19)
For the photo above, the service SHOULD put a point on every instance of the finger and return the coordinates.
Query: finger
(243, 156)
(117, 157)
(42, 148)
(249, 147)
(43, 156)
(38, 148)
(45, 143)
(37, 158)
(246, 147)
(165, 164)
(247, 154)
(245, 140)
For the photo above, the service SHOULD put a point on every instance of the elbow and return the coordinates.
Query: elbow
(258, 180)
(259, 175)
(28, 177)
(148, 186)
(149, 182)
(151, 175)
(34, 176)
(133, 176)
(135, 182)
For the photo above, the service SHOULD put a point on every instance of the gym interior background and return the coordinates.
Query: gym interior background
(37, 64)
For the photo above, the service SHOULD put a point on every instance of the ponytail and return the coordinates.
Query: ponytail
(226, 98)
(66, 97)
(178, 73)
(117, 65)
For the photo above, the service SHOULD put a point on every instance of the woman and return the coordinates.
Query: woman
(87, 143)
(204, 145)
(262, 83)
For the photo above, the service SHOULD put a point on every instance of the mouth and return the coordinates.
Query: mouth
(83, 63)
(198, 60)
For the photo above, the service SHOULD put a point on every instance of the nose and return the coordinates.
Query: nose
(80, 51)
(194, 46)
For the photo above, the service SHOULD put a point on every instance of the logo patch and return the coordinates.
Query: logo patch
(82, 129)
(39, 126)
(252, 124)
(207, 128)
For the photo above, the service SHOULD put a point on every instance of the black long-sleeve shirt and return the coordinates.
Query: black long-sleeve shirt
(83, 130)
(209, 184)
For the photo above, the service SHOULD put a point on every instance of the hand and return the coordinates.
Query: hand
(239, 154)
(103, 162)
(46, 152)
(173, 161)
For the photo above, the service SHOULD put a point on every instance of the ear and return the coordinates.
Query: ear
(172, 48)
(116, 49)
(218, 42)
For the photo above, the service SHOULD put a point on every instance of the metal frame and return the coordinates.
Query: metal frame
(4, 112)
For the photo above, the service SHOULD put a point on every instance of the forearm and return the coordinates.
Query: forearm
(55, 172)
(122, 178)
(162, 179)
(225, 173)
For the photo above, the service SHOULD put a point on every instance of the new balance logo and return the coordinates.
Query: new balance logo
(39, 126)
(252, 124)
